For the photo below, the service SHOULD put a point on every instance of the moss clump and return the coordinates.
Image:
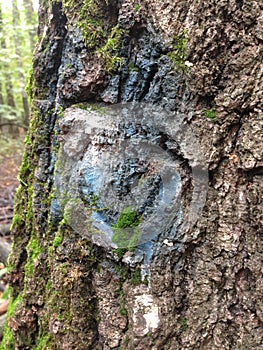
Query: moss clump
(126, 230)
(136, 7)
(128, 218)
(179, 52)
(120, 292)
(16, 220)
(136, 277)
(109, 53)
(30, 84)
(89, 20)
(33, 251)
(42, 343)
(25, 168)
(120, 252)
(97, 34)
(8, 341)
(210, 113)
(184, 325)
(58, 239)
(132, 67)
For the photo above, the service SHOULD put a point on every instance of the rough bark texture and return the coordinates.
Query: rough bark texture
(204, 287)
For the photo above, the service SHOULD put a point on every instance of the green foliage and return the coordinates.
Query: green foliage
(10, 69)
(179, 52)
(210, 113)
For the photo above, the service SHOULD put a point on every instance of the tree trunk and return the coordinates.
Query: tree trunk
(31, 22)
(7, 83)
(1, 103)
(17, 42)
(138, 217)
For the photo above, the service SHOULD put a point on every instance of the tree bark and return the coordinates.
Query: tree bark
(188, 278)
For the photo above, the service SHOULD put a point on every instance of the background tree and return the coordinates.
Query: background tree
(188, 287)
(9, 108)
(17, 27)
(31, 22)
(18, 40)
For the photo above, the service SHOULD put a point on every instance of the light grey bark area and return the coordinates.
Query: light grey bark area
(185, 93)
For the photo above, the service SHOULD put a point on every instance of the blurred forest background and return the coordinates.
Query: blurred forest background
(18, 31)
(18, 27)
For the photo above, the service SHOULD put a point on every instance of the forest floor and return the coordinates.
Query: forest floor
(11, 151)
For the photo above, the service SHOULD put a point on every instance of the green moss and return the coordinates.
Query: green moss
(120, 252)
(89, 17)
(122, 272)
(33, 251)
(128, 218)
(25, 167)
(8, 341)
(132, 67)
(126, 341)
(17, 218)
(145, 281)
(6, 294)
(89, 20)
(136, 277)
(136, 7)
(210, 113)
(49, 285)
(58, 239)
(184, 325)
(109, 52)
(94, 107)
(92, 31)
(126, 230)
(179, 52)
(30, 84)
(124, 311)
(42, 343)
(99, 109)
